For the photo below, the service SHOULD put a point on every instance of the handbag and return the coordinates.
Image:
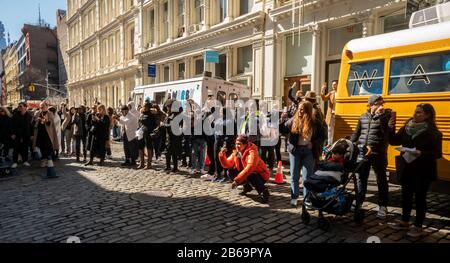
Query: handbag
(140, 133)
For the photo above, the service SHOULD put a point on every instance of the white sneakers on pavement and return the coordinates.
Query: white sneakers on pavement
(14, 166)
(26, 164)
(382, 212)
(294, 202)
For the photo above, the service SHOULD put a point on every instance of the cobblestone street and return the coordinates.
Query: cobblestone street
(112, 204)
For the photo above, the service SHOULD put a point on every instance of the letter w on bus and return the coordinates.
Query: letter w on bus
(365, 77)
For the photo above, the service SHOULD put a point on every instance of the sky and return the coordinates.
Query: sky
(15, 13)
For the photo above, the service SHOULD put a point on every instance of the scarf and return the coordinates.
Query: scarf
(414, 129)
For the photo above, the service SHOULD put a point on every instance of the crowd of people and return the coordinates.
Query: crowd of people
(237, 154)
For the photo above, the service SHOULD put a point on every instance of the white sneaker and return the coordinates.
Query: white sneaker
(207, 177)
(415, 232)
(193, 172)
(382, 212)
(294, 202)
(27, 164)
(203, 172)
(240, 187)
(353, 207)
(14, 166)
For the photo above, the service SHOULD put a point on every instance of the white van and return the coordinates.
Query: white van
(196, 89)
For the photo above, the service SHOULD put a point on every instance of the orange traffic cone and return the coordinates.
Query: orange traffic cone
(279, 178)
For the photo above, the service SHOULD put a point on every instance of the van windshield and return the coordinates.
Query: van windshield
(420, 74)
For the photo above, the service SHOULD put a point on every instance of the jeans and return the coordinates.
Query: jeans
(300, 158)
(78, 141)
(68, 141)
(378, 163)
(198, 154)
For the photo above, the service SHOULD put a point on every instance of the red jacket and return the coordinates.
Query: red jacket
(250, 160)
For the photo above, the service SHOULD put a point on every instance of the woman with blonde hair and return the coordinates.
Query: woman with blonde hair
(305, 135)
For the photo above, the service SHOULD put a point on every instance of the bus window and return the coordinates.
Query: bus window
(365, 78)
(420, 74)
(222, 97)
(160, 97)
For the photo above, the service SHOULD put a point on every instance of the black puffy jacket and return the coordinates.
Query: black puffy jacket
(373, 131)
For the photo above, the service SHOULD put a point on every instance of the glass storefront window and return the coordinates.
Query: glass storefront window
(199, 66)
(245, 60)
(421, 74)
(339, 37)
(299, 58)
(366, 78)
(395, 23)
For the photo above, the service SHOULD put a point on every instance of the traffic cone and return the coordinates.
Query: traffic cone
(279, 178)
(51, 172)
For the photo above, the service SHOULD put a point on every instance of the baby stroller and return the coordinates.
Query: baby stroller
(5, 167)
(327, 189)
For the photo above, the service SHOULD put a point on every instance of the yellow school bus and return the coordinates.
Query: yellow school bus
(407, 68)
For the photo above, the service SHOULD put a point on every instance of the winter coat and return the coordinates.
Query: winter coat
(49, 127)
(5, 129)
(249, 163)
(101, 129)
(430, 145)
(57, 122)
(174, 143)
(318, 136)
(78, 127)
(21, 126)
(372, 130)
(130, 124)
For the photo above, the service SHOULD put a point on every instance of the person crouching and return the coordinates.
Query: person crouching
(246, 168)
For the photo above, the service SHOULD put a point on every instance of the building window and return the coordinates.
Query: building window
(199, 66)
(244, 60)
(339, 37)
(221, 67)
(151, 32)
(299, 57)
(166, 73)
(181, 17)
(245, 7)
(165, 16)
(395, 23)
(222, 10)
(181, 70)
(199, 11)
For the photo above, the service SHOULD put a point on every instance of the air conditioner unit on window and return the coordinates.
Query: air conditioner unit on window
(194, 28)
(432, 15)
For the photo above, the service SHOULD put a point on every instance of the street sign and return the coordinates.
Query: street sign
(212, 57)
(152, 70)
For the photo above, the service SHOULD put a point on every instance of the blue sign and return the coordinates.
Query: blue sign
(152, 70)
(212, 57)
